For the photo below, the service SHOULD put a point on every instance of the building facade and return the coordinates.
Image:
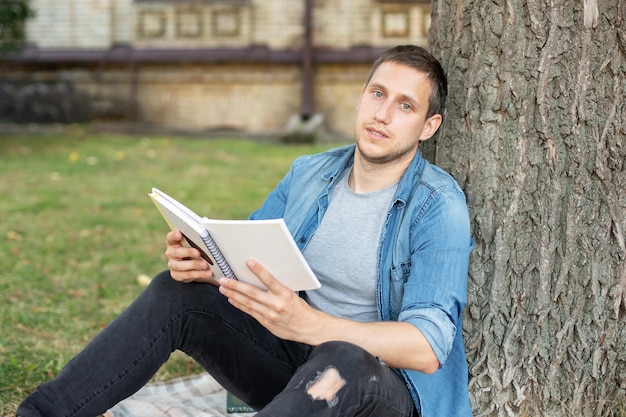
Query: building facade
(246, 65)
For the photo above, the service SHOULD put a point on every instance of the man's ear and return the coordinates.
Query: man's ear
(430, 127)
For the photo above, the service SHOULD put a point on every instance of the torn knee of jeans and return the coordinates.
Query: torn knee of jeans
(326, 385)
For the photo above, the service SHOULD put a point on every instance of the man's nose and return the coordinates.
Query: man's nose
(383, 113)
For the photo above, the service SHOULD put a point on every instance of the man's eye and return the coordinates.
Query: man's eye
(406, 106)
(378, 94)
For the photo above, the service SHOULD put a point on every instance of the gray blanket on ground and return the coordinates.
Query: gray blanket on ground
(192, 396)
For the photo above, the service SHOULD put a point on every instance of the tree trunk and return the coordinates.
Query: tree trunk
(534, 133)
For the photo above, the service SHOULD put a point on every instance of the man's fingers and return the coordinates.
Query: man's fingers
(192, 270)
(264, 276)
(187, 264)
(174, 237)
(182, 252)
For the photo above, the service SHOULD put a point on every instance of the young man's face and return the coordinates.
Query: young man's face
(391, 114)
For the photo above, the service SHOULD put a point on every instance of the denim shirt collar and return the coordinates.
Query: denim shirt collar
(407, 182)
(342, 164)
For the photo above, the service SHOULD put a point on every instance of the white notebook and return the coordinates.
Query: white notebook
(228, 244)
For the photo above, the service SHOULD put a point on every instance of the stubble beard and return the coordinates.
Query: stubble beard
(388, 159)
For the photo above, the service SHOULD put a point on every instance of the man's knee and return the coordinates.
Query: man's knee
(164, 289)
(163, 282)
(338, 364)
(326, 385)
(160, 286)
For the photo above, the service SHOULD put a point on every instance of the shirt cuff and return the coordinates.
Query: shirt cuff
(436, 327)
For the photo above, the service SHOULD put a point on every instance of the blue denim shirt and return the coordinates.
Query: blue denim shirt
(422, 261)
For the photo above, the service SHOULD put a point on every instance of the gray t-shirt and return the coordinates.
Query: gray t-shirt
(343, 252)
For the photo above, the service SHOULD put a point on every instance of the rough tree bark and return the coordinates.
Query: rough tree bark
(535, 134)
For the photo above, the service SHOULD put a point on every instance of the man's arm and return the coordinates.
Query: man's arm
(398, 344)
(286, 315)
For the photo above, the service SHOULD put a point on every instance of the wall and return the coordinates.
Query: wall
(206, 64)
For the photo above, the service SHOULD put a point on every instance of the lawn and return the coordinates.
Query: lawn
(79, 233)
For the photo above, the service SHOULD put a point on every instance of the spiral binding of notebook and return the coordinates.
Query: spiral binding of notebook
(219, 258)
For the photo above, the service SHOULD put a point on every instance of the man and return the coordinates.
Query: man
(388, 236)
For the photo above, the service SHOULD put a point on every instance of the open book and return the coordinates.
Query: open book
(227, 244)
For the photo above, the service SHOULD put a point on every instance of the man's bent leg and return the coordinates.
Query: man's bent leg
(341, 379)
(167, 316)
(243, 356)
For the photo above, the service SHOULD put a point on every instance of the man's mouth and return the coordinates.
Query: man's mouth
(376, 133)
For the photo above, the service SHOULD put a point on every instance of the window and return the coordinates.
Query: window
(152, 24)
(193, 22)
(395, 24)
(189, 23)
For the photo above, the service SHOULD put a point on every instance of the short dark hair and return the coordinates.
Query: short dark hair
(421, 60)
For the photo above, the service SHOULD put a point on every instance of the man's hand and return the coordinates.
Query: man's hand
(278, 308)
(185, 264)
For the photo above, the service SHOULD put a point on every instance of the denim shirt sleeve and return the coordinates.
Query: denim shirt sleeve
(435, 292)
(274, 205)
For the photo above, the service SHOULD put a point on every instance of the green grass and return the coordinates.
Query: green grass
(77, 228)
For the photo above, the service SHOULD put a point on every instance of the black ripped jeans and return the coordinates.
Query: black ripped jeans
(277, 377)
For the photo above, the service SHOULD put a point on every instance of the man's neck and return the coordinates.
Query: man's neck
(366, 177)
